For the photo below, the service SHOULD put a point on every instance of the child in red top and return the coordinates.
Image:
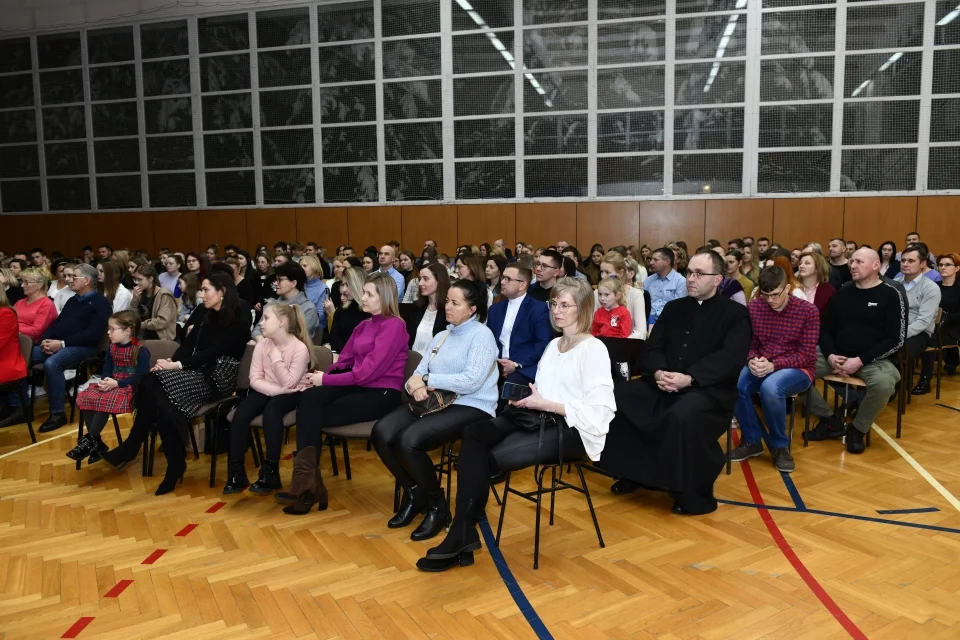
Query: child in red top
(612, 319)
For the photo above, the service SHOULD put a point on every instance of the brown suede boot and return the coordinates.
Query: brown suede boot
(304, 476)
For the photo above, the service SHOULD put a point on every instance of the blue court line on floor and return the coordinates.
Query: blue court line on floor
(512, 586)
(946, 406)
(890, 512)
(848, 516)
(787, 480)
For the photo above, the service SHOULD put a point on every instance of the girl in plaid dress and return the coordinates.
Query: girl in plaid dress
(125, 364)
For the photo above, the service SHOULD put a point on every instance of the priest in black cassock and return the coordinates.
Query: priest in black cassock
(668, 422)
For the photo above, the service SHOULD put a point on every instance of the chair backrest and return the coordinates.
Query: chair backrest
(323, 357)
(243, 373)
(160, 349)
(624, 350)
(413, 361)
(26, 350)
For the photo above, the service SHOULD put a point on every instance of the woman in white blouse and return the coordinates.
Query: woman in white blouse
(108, 280)
(574, 390)
(424, 320)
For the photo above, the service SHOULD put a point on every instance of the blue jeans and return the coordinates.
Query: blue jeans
(773, 390)
(53, 368)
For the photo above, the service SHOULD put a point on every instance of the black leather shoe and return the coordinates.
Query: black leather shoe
(855, 440)
(623, 486)
(922, 388)
(679, 510)
(411, 505)
(435, 520)
(18, 416)
(88, 446)
(831, 428)
(236, 478)
(435, 566)
(54, 422)
(269, 478)
(462, 538)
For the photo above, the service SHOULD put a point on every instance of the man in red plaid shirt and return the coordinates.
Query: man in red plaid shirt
(782, 362)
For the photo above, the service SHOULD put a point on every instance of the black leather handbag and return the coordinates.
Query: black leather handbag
(436, 400)
(539, 421)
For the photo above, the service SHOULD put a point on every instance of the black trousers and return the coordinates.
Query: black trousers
(339, 406)
(95, 421)
(273, 408)
(402, 441)
(155, 409)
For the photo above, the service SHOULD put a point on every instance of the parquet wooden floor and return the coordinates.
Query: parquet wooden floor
(73, 548)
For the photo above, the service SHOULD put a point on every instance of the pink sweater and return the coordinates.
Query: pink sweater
(274, 375)
(35, 317)
(376, 355)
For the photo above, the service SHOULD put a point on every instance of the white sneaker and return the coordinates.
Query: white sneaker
(39, 392)
(69, 374)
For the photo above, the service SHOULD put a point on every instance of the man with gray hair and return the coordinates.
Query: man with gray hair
(74, 336)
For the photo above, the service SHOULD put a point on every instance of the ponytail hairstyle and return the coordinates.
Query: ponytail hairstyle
(129, 320)
(296, 325)
(614, 286)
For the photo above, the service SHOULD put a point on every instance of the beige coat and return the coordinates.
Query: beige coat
(163, 316)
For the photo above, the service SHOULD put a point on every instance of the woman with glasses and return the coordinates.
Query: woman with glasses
(35, 312)
(573, 390)
(948, 265)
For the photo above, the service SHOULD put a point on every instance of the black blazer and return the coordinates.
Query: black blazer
(413, 315)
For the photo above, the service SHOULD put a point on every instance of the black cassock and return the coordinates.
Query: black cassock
(669, 440)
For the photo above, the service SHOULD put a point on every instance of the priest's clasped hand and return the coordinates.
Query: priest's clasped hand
(671, 381)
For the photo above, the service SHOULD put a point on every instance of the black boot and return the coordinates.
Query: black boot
(923, 386)
(462, 537)
(269, 479)
(430, 565)
(236, 477)
(16, 416)
(175, 469)
(88, 446)
(437, 517)
(411, 505)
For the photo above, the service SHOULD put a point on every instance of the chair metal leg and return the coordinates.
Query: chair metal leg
(333, 455)
(346, 458)
(29, 414)
(116, 426)
(593, 512)
(553, 492)
(939, 369)
(496, 496)
(213, 453)
(536, 535)
(806, 419)
(79, 437)
(793, 419)
(503, 505)
(729, 447)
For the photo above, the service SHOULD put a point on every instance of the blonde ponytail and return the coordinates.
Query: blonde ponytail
(296, 325)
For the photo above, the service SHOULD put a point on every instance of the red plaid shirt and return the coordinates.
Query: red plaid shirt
(788, 337)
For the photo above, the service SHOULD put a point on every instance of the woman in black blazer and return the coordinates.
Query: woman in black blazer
(427, 317)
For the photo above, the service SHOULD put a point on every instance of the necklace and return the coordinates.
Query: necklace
(571, 343)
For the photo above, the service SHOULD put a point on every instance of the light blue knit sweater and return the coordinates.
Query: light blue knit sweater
(466, 364)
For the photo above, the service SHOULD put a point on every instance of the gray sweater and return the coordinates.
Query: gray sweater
(309, 313)
(923, 300)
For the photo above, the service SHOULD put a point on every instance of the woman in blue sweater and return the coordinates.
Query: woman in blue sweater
(462, 359)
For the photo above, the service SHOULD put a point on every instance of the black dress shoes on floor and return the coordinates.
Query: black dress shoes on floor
(54, 422)
(623, 486)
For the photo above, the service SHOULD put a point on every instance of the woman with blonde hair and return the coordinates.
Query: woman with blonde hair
(814, 277)
(108, 282)
(35, 312)
(614, 265)
(315, 288)
(350, 313)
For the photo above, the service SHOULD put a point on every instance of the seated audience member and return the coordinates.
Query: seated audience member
(680, 258)
(315, 288)
(572, 253)
(121, 258)
(763, 244)
(280, 247)
(750, 269)
(592, 266)
(155, 307)
(364, 384)
(277, 371)
(923, 301)
(861, 329)
(889, 260)
(925, 269)
(574, 388)
(290, 282)
(470, 267)
(407, 262)
(520, 325)
(664, 284)
(246, 291)
(35, 312)
(248, 269)
(795, 259)
(340, 264)
(782, 362)
(914, 238)
(667, 424)
(948, 264)
(281, 258)
(368, 263)
(385, 259)
(125, 364)
(73, 336)
(10, 280)
(426, 319)
(782, 260)
(732, 289)
(612, 319)
(615, 265)
(12, 366)
(462, 360)
(198, 265)
(58, 283)
(265, 273)
(548, 268)
(350, 314)
(493, 271)
(636, 273)
(851, 246)
(190, 297)
(814, 276)
(170, 278)
(108, 279)
(61, 296)
(839, 265)
(38, 259)
(412, 288)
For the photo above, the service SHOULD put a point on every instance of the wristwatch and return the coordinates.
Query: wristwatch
(426, 378)
(518, 365)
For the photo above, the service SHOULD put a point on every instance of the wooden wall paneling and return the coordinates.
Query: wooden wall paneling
(373, 226)
(327, 226)
(176, 230)
(669, 220)
(120, 230)
(544, 224)
(876, 219)
(479, 223)
(728, 219)
(223, 226)
(609, 223)
(800, 221)
(938, 223)
(268, 226)
(434, 222)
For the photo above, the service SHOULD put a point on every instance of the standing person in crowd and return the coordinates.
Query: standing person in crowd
(462, 360)
(665, 284)
(861, 329)
(36, 312)
(108, 279)
(203, 370)
(315, 288)
(782, 362)
(814, 275)
(668, 422)
(520, 325)
(189, 298)
(574, 390)
(290, 282)
(155, 307)
(64, 271)
(949, 265)
(385, 258)
(277, 371)
(124, 366)
(616, 266)
(889, 260)
(839, 265)
(11, 283)
(923, 300)
(245, 288)
(548, 268)
(426, 318)
(12, 365)
(612, 319)
(364, 384)
(350, 314)
(170, 278)
(493, 272)
(74, 336)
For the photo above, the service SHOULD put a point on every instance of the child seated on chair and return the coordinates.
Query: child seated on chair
(125, 364)
(612, 319)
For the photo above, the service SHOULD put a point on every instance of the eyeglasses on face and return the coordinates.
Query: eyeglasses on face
(946, 264)
(563, 306)
(772, 295)
(508, 279)
(696, 275)
(544, 265)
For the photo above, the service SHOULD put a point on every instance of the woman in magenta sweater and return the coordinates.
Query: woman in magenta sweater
(363, 385)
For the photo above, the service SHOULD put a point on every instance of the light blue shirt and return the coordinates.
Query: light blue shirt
(662, 291)
(401, 283)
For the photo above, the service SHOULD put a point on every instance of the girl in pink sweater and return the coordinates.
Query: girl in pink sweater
(277, 370)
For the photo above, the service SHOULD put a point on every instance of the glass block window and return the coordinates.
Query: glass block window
(20, 167)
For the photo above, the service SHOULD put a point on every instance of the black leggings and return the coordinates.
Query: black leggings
(155, 409)
(95, 421)
(273, 408)
(322, 407)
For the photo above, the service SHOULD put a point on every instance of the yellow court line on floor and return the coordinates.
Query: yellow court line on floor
(949, 497)
(37, 443)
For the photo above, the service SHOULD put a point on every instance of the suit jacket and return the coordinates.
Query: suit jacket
(708, 341)
(531, 333)
(413, 317)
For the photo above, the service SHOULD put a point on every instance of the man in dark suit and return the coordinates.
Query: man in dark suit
(665, 432)
(521, 326)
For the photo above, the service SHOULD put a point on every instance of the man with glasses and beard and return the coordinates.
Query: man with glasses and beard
(665, 433)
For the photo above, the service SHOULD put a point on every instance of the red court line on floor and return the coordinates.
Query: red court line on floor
(186, 530)
(77, 627)
(289, 456)
(153, 557)
(216, 507)
(118, 589)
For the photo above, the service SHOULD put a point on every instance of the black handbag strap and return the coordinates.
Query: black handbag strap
(543, 425)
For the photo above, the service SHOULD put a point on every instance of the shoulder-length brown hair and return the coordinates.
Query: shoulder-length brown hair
(582, 294)
(440, 274)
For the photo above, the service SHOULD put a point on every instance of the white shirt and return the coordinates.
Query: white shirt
(513, 307)
(421, 343)
(60, 297)
(121, 301)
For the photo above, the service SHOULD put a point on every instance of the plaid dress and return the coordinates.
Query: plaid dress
(119, 400)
